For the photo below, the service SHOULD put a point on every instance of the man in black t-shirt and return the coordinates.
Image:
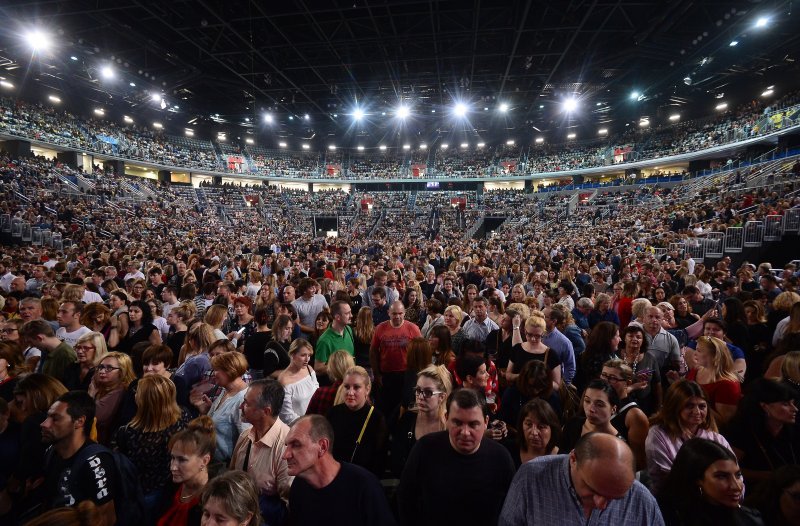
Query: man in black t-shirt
(325, 491)
(69, 421)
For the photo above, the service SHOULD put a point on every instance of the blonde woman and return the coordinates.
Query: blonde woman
(324, 397)
(298, 380)
(425, 417)
(452, 320)
(194, 361)
(215, 316)
(113, 374)
(90, 349)
(533, 349)
(716, 375)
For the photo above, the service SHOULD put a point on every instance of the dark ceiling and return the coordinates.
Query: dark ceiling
(239, 60)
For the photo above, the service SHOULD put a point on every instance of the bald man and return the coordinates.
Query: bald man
(595, 485)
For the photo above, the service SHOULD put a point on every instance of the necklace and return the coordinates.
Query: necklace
(187, 497)
(632, 364)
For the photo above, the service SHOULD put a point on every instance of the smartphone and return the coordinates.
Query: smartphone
(241, 331)
(644, 374)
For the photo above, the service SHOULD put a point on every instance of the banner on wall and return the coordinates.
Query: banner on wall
(418, 170)
(509, 166)
(236, 163)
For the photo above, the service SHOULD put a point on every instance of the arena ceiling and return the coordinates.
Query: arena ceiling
(227, 64)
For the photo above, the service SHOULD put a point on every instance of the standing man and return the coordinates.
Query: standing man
(446, 468)
(259, 450)
(56, 355)
(594, 484)
(77, 469)
(325, 491)
(380, 277)
(559, 343)
(170, 298)
(309, 304)
(337, 337)
(480, 325)
(387, 356)
(663, 346)
(70, 328)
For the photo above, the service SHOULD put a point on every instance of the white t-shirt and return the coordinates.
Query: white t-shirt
(71, 338)
(91, 297)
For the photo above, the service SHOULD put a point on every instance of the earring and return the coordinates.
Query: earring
(701, 490)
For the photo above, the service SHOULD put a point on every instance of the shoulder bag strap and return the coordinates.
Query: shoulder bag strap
(361, 434)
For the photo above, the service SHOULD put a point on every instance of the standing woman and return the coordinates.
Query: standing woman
(760, 336)
(12, 364)
(603, 345)
(470, 293)
(256, 343)
(90, 349)
(646, 389)
(629, 419)
(715, 374)
(338, 364)
(225, 410)
(97, 317)
(683, 312)
(276, 352)
(735, 319)
(362, 337)
(178, 318)
(359, 428)
(242, 325)
(118, 302)
(191, 451)
(539, 432)
(426, 416)
(533, 349)
(683, 416)
(215, 316)
(413, 304)
(600, 403)
(141, 328)
(434, 318)
(452, 320)
(112, 376)
(145, 439)
(500, 342)
(442, 351)
(194, 362)
(629, 292)
(266, 300)
(298, 380)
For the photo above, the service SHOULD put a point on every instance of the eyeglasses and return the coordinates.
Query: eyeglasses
(425, 393)
(533, 336)
(611, 378)
(107, 368)
(84, 348)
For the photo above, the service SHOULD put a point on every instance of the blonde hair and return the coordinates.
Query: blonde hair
(441, 377)
(214, 315)
(721, 360)
(198, 340)
(638, 307)
(521, 309)
(790, 368)
(456, 311)
(338, 364)
(156, 406)
(99, 342)
(536, 321)
(126, 374)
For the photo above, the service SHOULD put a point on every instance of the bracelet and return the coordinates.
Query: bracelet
(516, 327)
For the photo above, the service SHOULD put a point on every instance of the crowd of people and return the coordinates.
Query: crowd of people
(46, 124)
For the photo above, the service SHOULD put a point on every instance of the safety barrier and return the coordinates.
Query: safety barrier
(695, 249)
(753, 234)
(773, 228)
(715, 245)
(734, 239)
(791, 222)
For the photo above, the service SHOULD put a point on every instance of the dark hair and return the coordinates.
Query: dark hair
(271, 395)
(542, 411)
(337, 307)
(635, 328)
(716, 321)
(734, 312)
(534, 380)
(599, 342)
(468, 365)
(767, 498)
(158, 354)
(237, 493)
(147, 312)
(760, 391)
(319, 428)
(80, 404)
(467, 399)
(378, 291)
(690, 465)
(602, 385)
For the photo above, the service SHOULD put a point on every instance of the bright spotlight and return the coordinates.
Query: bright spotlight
(406, 146)
(306, 116)
(157, 125)
(73, 57)
(510, 142)
(382, 147)
(767, 93)
(464, 145)
(481, 144)
(675, 117)
(360, 148)
(603, 131)
(53, 98)
(721, 107)
(306, 146)
(107, 72)
(127, 119)
(282, 144)
(460, 109)
(734, 43)
(571, 136)
(644, 123)
(635, 95)
(268, 118)
(539, 140)
(570, 105)
(6, 84)
(156, 97)
(503, 107)
(38, 40)
(403, 112)
(249, 140)
(762, 22)
(332, 147)
(423, 146)
(444, 146)
(99, 111)
(163, 104)
(358, 114)
(188, 132)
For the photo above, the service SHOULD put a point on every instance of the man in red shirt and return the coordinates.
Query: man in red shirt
(387, 356)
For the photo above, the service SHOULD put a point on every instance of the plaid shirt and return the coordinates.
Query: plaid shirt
(322, 400)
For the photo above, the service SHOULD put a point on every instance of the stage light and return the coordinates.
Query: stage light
(734, 43)
(132, 84)
(762, 22)
(423, 146)
(53, 98)
(503, 107)
(360, 148)
(406, 146)
(460, 109)
(720, 107)
(602, 131)
(539, 140)
(99, 111)
(767, 93)
(571, 136)
(291, 117)
(156, 97)
(464, 145)
(268, 118)
(127, 119)
(163, 104)
(644, 123)
(282, 144)
(570, 104)
(157, 125)
(403, 112)
(382, 147)
(306, 146)
(306, 117)
(635, 95)
(675, 117)
(358, 114)
(510, 142)
(107, 72)
(332, 147)
(38, 40)
(73, 57)
(189, 133)
(481, 144)
(444, 146)
(249, 140)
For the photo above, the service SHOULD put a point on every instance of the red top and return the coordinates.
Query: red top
(624, 311)
(391, 343)
(178, 512)
(722, 391)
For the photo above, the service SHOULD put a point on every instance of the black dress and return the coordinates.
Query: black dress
(347, 425)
